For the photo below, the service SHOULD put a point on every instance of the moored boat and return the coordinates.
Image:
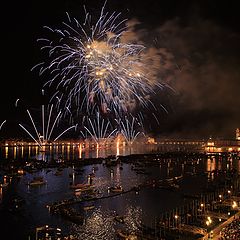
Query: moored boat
(37, 181)
(90, 207)
(116, 189)
(80, 186)
(72, 215)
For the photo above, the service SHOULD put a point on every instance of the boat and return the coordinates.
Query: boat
(37, 181)
(116, 189)
(77, 192)
(81, 186)
(177, 178)
(44, 231)
(72, 215)
(90, 207)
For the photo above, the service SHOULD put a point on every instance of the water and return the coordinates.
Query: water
(142, 207)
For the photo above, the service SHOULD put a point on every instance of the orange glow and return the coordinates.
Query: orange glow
(211, 164)
(210, 144)
(151, 140)
(118, 150)
(20, 171)
(6, 152)
(14, 152)
(22, 148)
(80, 151)
(97, 153)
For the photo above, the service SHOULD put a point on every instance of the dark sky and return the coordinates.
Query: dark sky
(199, 45)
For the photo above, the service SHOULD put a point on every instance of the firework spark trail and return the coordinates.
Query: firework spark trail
(46, 133)
(64, 132)
(2, 124)
(16, 103)
(99, 129)
(39, 143)
(91, 66)
(128, 129)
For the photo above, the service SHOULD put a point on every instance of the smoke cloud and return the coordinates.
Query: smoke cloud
(200, 62)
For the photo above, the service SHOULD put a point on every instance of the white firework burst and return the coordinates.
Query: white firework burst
(91, 66)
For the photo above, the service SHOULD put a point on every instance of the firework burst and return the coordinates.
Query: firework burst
(47, 127)
(99, 129)
(130, 128)
(92, 66)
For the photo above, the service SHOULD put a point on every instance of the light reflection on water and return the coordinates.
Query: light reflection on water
(70, 152)
(99, 223)
(133, 218)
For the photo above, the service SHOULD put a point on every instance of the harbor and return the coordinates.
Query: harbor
(165, 195)
(120, 120)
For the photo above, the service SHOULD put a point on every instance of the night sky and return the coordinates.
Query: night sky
(199, 45)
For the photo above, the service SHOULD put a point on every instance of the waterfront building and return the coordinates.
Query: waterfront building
(238, 134)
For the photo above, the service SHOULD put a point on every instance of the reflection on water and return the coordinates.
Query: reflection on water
(71, 151)
(138, 208)
(98, 225)
(211, 164)
(133, 218)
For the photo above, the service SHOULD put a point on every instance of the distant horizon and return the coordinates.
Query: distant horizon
(157, 138)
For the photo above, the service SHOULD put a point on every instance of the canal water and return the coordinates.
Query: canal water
(138, 208)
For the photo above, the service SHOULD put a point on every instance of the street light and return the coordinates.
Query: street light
(209, 221)
(234, 205)
(176, 218)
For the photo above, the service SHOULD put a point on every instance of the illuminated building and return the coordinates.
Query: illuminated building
(237, 134)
